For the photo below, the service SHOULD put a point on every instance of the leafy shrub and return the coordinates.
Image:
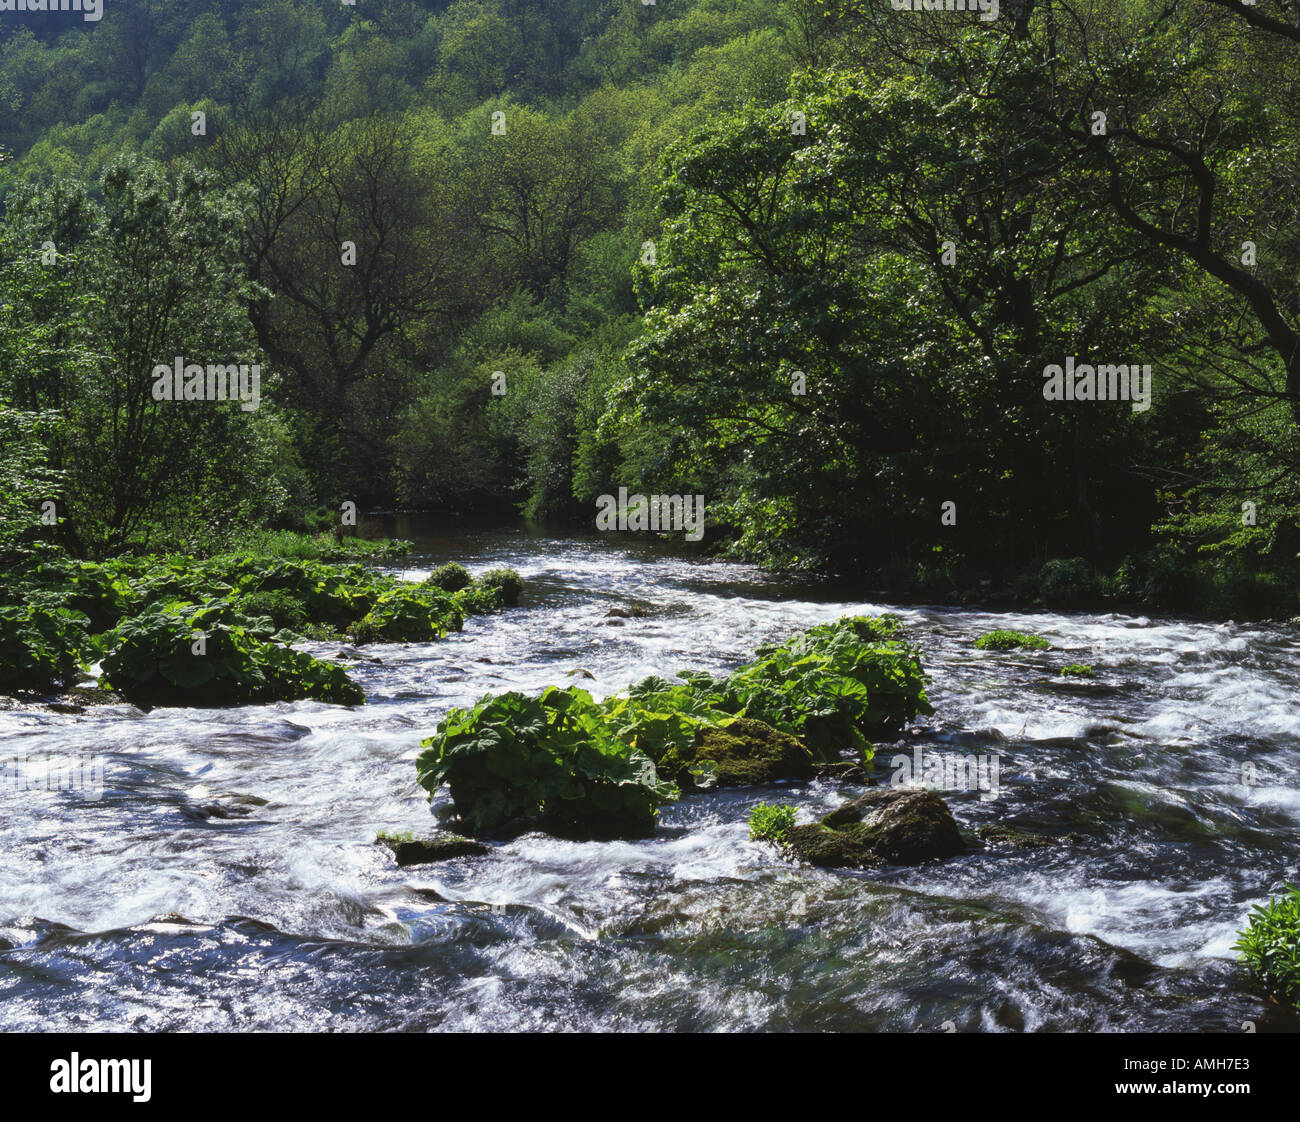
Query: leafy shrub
(770, 823)
(450, 577)
(832, 686)
(1011, 640)
(1068, 581)
(509, 583)
(1076, 670)
(336, 594)
(1270, 945)
(281, 607)
(151, 661)
(551, 760)
(40, 645)
(660, 719)
(476, 600)
(414, 614)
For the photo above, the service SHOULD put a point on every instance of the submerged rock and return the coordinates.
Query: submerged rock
(997, 834)
(422, 851)
(890, 826)
(741, 753)
(846, 771)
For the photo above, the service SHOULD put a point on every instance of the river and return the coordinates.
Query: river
(225, 878)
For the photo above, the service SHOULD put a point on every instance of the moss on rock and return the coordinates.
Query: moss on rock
(421, 851)
(883, 827)
(739, 754)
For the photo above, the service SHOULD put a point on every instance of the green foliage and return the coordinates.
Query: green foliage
(450, 577)
(1076, 670)
(564, 761)
(1068, 582)
(281, 607)
(1270, 945)
(479, 600)
(770, 823)
(41, 646)
(1010, 641)
(57, 608)
(551, 761)
(506, 581)
(833, 686)
(152, 661)
(409, 615)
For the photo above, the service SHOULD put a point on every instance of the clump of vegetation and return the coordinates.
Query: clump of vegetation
(478, 600)
(450, 577)
(833, 686)
(55, 611)
(506, 581)
(578, 766)
(1011, 640)
(40, 646)
(391, 836)
(551, 760)
(409, 615)
(1076, 670)
(209, 655)
(771, 823)
(1270, 945)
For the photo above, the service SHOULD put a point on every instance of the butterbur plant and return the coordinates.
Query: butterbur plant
(1270, 945)
(208, 655)
(550, 760)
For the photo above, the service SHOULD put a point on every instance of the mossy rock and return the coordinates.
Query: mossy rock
(883, 827)
(422, 851)
(742, 753)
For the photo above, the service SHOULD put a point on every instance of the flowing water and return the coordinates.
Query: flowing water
(225, 877)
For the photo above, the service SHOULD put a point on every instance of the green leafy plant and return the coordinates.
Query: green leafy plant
(1076, 670)
(506, 581)
(1270, 945)
(770, 823)
(152, 661)
(1011, 640)
(450, 577)
(477, 600)
(414, 614)
(550, 760)
(832, 686)
(40, 645)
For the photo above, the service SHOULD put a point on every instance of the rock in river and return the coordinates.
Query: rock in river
(890, 826)
(740, 753)
(421, 851)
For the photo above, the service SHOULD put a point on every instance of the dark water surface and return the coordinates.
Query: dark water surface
(1178, 770)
